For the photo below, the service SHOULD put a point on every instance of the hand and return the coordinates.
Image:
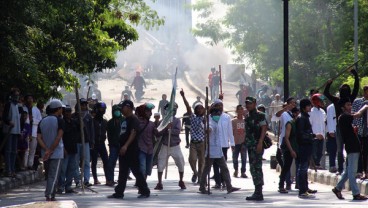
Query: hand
(221, 96)
(259, 148)
(169, 125)
(319, 136)
(182, 92)
(332, 135)
(47, 155)
(123, 150)
(293, 154)
(329, 81)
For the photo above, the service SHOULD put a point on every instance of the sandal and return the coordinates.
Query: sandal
(337, 193)
(360, 197)
(159, 186)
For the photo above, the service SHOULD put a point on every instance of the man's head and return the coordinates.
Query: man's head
(15, 95)
(313, 92)
(261, 108)
(213, 69)
(100, 108)
(24, 116)
(365, 92)
(318, 100)
(127, 107)
(175, 108)
(28, 99)
(83, 104)
(217, 104)
(250, 103)
(156, 116)
(344, 91)
(125, 96)
(305, 105)
(239, 111)
(291, 102)
(198, 98)
(277, 97)
(56, 107)
(116, 111)
(199, 109)
(345, 104)
(295, 111)
(137, 74)
(67, 112)
(164, 96)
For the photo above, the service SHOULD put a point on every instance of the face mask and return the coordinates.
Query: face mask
(216, 118)
(117, 113)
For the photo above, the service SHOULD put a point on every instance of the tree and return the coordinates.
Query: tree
(42, 41)
(321, 37)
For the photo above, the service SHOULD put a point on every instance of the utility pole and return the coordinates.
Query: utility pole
(286, 49)
(356, 32)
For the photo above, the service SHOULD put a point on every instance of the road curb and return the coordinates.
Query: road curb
(22, 178)
(56, 204)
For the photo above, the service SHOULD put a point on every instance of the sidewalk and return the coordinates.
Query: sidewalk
(22, 178)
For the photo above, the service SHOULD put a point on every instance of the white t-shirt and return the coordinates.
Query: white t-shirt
(285, 117)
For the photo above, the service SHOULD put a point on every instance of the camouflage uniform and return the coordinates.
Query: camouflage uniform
(253, 124)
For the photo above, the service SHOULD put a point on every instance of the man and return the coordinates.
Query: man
(99, 147)
(242, 94)
(275, 107)
(127, 94)
(210, 83)
(138, 84)
(331, 145)
(197, 101)
(344, 92)
(361, 123)
(197, 143)
(256, 127)
(238, 125)
(174, 151)
(162, 104)
(352, 147)
(89, 135)
(215, 153)
(317, 118)
(69, 164)
(33, 114)
(50, 133)
(226, 136)
(129, 153)
(113, 136)
(12, 131)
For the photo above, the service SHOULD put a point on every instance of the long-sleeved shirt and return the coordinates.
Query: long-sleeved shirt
(11, 114)
(215, 140)
(317, 118)
(146, 136)
(331, 119)
(225, 130)
(37, 117)
(113, 131)
(175, 132)
(361, 122)
(304, 132)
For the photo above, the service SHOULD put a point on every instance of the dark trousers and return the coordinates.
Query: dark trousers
(280, 160)
(363, 162)
(331, 148)
(340, 151)
(216, 168)
(302, 162)
(285, 171)
(99, 149)
(187, 131)
(113, 157)
(130, 161)
(317, 151)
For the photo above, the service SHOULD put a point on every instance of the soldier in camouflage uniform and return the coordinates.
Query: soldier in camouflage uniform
(255, 127)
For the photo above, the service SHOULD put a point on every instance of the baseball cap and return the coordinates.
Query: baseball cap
(127, 103)
(68, 108)
(55, 104)
(250, 100)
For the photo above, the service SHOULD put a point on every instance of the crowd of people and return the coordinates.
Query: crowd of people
(70, 141)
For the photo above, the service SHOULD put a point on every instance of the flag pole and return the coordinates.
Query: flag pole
(81, 125)
(167, 155)
(207, 140)
(220, 80)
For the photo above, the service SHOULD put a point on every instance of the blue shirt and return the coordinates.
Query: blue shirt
(48, 128)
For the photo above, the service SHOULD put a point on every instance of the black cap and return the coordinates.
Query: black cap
(68, 108)
(127, 103)
(83, 101)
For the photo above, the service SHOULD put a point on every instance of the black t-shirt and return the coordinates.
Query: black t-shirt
(127, 126)
(351, 141)
(71, 135)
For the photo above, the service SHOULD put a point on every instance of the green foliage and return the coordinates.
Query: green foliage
(320, 38)
(42, 41)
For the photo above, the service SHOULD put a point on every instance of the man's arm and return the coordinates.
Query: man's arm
(189, 110)
(131, 137)
(360, 112)
(327, 93)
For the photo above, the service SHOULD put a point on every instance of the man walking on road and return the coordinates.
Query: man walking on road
(50, 133)
(239, 138)
(256, 127)
(129, 153)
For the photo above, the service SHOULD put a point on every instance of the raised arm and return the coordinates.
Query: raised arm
(327, 93)
(189, 110)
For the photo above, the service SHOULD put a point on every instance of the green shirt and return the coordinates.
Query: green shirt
(292, 137)
(253, 124)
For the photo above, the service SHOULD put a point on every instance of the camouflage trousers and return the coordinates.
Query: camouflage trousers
(255, 164)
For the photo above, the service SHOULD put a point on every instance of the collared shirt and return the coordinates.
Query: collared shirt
(225, 130)
(253, 124)
(197, 127)
(359, 122)
(317, 118)
(285, 117)
(146, 136)
(331, 119)
(215, 140)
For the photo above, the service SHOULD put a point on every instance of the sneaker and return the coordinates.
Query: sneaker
(288, 187)
(235, 173)
(243, 175)
(337, 193)
(159, 186)
(217, 186)
(254, 197)
(182, 185)
(310, 191)
(282, 191)
(115, 196)
(71, 191)
(194, 178)
(143, 196)
(87, 184)
(204, 191)
(97, 182)
(233, 189)
(359, 197)
(306, 195)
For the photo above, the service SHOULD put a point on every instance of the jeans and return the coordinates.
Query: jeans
(68, 168)
(87, 160)
(30, 153)
(285, 171)
(242, 150)
(216, 168)
(331, 147)
(99, 149)
(340, 150)
(302, 161)
(54, 167)
(145, 163)
(350, 173)
(11, 152)
(113, 157)
(363, 159)
(317, 151)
